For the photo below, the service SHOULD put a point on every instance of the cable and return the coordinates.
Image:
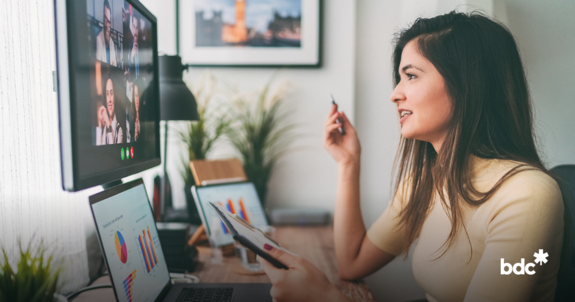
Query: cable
(73, 295)
(173, 276)
(93, 279)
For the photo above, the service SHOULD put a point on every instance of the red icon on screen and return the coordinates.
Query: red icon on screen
(132, 151)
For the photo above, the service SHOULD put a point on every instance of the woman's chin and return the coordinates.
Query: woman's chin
(405, 133)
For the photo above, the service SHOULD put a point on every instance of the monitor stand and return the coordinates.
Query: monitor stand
(111, 184)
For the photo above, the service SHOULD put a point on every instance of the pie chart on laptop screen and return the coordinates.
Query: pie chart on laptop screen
(121, 247)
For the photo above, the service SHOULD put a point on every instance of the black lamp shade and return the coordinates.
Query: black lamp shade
(177, 103)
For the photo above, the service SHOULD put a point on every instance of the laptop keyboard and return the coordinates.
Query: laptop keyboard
(206, 294)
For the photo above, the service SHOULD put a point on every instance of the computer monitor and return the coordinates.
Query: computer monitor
(108, 90)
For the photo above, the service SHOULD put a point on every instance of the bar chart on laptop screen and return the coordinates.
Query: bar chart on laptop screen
(148, 250)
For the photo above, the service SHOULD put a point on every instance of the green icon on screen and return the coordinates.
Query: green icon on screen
(122, 153)
(127, 153)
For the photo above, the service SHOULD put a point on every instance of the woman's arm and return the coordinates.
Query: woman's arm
(356, 255)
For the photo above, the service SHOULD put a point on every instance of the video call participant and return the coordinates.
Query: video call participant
(105, 47)
(133, 50)
(133, 112)
(138, 89)
(111, 131)
(103, 123)
(471, 190)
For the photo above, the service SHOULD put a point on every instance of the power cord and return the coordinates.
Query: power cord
(73, 295)
(175, 278)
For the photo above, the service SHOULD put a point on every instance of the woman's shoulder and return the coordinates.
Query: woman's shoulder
(524, 185)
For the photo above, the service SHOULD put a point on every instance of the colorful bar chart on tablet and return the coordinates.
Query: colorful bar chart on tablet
(243, 212)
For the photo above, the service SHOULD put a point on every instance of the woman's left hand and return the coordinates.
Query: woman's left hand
(301, 282)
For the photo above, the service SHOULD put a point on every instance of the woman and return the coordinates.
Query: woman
(137, 93)
(470, 185)
(133, 112)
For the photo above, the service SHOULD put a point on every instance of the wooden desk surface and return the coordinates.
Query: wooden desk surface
(312, 243)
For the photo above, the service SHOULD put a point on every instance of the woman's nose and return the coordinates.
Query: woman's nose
(397, 94)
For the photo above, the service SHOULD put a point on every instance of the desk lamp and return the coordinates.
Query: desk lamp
(177, 103)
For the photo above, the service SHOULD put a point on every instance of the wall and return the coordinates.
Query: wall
(544, 32)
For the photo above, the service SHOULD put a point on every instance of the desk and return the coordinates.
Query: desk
(312, 243)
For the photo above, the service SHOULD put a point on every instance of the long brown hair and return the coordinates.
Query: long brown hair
(492, 117)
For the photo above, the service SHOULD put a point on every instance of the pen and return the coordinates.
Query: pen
(341, 129)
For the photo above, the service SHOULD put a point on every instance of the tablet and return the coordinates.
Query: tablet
(248, 235)
(239, 198)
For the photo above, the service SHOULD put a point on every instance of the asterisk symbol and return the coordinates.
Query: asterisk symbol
(541, 257)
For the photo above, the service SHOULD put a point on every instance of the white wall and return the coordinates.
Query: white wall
(545, 32)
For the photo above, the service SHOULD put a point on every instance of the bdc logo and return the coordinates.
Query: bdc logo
(521, 268)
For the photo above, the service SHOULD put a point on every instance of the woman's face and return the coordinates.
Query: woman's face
(110, 97)
(423, 104)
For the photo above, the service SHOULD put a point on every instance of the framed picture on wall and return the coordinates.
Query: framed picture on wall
(250, 33)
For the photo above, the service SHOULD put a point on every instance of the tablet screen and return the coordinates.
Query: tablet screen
(243, 228)
(238, 198)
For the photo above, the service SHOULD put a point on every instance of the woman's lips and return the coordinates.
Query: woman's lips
(401, 120)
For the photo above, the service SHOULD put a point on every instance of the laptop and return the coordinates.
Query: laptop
(131, 247)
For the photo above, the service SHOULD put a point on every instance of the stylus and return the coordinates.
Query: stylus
(341, 129)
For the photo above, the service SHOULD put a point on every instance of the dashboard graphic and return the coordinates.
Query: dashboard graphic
(128, 284)
(148, 250)
(121, 247)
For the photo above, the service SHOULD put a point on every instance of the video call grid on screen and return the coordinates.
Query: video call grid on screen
(121, 44)
(113, 116)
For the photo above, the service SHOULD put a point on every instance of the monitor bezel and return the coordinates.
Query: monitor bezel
(65, 65)
(105, 195)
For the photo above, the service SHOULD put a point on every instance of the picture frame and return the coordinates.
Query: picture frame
(270, 33)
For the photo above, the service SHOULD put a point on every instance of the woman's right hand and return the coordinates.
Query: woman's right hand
(344, 149)
(102, 117)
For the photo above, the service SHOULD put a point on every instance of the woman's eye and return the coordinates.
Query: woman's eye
(410, 76)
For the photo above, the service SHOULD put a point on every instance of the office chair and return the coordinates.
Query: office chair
(565, 176)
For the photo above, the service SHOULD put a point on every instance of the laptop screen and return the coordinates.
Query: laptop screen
(130, 242)
(238, 198)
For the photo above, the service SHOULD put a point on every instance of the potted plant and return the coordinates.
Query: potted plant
(260, 133)
(33, 279)
(199, 136)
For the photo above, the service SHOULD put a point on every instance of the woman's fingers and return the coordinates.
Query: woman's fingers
(329, 129)
(332, 118)
(282, 256)
(333, 110)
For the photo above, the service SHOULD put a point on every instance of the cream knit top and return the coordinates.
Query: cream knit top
(523, 216)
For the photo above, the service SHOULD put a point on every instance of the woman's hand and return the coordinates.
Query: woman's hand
(103, 120)
(301, 282)
(344, 149)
